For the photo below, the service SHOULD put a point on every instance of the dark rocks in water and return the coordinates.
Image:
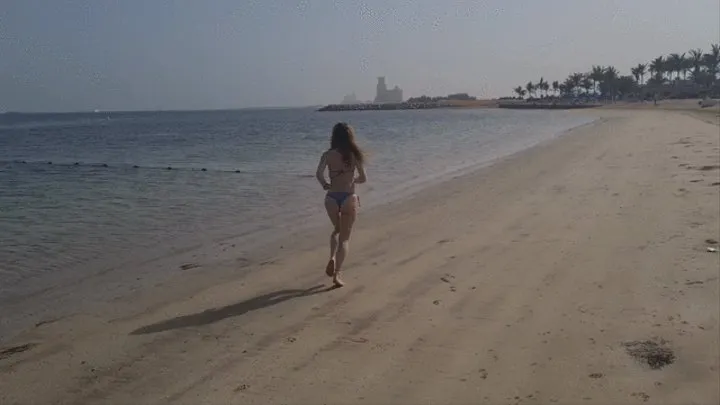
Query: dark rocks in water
(169, 168)
(136, 167)
(237, 171)
(105, 165)
(76, 164)
(49, 163)
(203, 169)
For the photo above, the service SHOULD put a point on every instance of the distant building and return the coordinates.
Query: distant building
(350, 99)
(384, 95)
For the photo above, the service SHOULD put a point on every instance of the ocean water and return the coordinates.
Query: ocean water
(82, 194)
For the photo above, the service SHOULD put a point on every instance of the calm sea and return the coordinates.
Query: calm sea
(82, 194)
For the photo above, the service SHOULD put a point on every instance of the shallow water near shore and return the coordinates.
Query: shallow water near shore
(84, 194)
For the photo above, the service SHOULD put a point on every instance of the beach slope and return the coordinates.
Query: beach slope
(574, 272)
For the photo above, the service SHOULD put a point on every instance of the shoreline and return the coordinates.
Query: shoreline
(505, 236)
(194, 266)
(430, 105)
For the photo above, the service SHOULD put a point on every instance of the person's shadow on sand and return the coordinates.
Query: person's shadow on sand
(217, 314)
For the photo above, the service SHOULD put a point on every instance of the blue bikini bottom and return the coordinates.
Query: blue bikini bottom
(339, 196)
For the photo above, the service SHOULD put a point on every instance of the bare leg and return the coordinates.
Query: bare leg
(330, 268)
(347, 219)
(334, 214)
(341, 254)
(334, 243)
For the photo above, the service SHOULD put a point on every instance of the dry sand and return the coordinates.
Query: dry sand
(574, 272)
(692, 107)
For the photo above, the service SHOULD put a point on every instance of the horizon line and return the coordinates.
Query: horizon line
(97, 111)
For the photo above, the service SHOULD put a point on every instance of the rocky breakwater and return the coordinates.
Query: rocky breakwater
(382, 107)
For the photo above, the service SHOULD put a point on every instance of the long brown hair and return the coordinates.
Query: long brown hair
(343, 141)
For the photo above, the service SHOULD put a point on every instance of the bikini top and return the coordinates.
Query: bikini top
(339, 171)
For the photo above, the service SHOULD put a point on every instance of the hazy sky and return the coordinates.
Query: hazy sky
(58, 55)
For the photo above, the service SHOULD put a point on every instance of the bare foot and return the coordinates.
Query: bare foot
(330, 268)
(337, 281)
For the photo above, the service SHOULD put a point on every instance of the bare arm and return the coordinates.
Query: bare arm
(362, 177)
(320, 173)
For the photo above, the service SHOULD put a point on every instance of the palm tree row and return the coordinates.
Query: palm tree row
(701, 68)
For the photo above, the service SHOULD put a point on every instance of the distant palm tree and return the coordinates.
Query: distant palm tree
(564, 89)
(712, 61)
(542, 85)
(576, 79)
(570, 86)
(636, 73)
(676, 63)
(556, 87)
(519, 91)
(642, 69)
(596, 75)
(687, 66)
(696, 61)
(586, 83)
(639, 72)
(530, 87)
(609, 81)
(658, 68)
(626, 85)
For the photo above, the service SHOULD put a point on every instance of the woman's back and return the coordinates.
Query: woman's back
(341, 171)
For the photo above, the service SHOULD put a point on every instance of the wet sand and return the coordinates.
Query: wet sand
(575, 272)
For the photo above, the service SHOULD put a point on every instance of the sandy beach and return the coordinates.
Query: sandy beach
(574, 272)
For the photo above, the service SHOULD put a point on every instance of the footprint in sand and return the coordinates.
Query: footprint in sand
(643, 396)
(656, 353)
(5, 353)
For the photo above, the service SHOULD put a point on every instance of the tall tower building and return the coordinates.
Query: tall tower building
(381, 90)
(383, 95)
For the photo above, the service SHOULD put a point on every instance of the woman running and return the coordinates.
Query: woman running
(343, 160)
